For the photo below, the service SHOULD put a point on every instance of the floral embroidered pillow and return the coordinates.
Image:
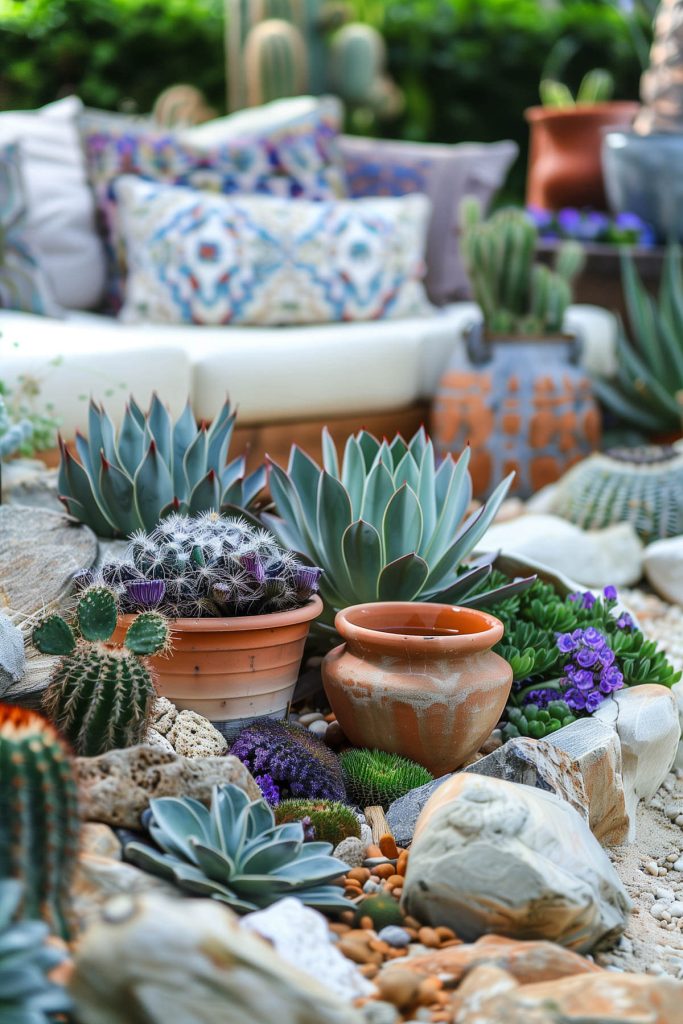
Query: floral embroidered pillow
(23, 285)
(200, 258)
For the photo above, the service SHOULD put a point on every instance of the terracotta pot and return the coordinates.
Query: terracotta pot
(417, 679)
(565, 167)
(521, 404)
(235, 669)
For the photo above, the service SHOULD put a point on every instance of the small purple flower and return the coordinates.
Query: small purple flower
(541, 218)
(583, 679)
(610, 593)
(611, 679)
(569, 219)
(606, 656)
(625, 621)
(541, 697)
(307, 578)
(575, 597)
(270, 791)
(309, 829)
(575, 700)
(146, 593)
(254, 566)
(593, 636)
(593, 701)
(565, 642)
(587, 657)
(588, 600)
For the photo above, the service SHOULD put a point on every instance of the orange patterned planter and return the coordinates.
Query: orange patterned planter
(521, 404)
(233, 670)
(417, 679)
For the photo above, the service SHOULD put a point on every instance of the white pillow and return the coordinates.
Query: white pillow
(196, 257)
(286, 113)
(60, 225)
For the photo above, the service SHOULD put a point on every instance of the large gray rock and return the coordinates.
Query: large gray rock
(663, 563)
(12, 656)
(647, 723)
(494, 857)
(98, 879)
(154, 960)
(116, 787)
(403, 813)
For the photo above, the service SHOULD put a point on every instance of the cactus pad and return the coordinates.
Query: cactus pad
(147, 634)
(97, 614)
(54, 636)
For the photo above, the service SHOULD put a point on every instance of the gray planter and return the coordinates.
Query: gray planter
(644, 175)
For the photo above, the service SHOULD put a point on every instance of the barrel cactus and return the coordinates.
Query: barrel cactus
(100, 696)
(236, 853)
(642, 486)
(39, 823)
(374, 777)
(516, 295)
(388, 524)
(208, 566)
(27, 996)
(153, 467)
(330, 821)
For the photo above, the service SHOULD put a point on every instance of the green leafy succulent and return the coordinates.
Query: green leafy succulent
(529, 649)
(388, 524)
(27, 996)
(641, 661)
(537, 722)
(153, 467)
(236, 853)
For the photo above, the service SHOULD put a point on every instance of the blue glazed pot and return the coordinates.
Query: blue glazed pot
(644, 175)
(522, 404)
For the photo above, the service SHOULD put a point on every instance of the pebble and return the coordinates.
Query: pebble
(679, 819)
(676, 908)
(372, 886)
(394, 935)
(651, 867)
(379, 1012)
(318, 728)
(399, 987)
(678, 864)
(312, 716)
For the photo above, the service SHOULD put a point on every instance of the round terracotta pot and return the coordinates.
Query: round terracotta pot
(234, 669)
(417, 679)
(565, 167)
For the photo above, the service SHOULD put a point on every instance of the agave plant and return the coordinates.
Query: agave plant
(27, 996)
(388, 524)
(152, 468)
(647, 391)
(236, 853)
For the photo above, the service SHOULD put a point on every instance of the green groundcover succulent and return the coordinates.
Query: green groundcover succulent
(388, 523)
(235, 853)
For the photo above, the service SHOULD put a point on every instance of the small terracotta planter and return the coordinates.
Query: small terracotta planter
(565, 167)
(234, 669)
(417, 679)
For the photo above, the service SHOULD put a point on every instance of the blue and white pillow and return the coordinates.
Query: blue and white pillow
(196, 257)
(23, 285)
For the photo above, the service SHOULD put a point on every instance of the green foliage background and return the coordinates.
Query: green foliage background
(468, 68)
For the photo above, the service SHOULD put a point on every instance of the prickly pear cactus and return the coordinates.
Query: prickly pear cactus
(39, 821)
(100, 696)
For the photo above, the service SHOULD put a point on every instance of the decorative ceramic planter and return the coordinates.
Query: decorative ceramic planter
(522, 404)
(644, 175)
(235, 669)
(417, 679)
(565, 168)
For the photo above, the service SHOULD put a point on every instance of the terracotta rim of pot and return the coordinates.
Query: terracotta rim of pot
(239, 623)
(584, 110)
(362, 624)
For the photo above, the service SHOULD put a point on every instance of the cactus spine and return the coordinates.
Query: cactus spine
(516, 296)
(100, 697)
(39, 821)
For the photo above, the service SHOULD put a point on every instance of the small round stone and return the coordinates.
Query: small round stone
(676, 908)
(310, 717)
(378, 1012)
(318, 728)
(371, 886)
(394, 936)
(651, 867)
(678, 864)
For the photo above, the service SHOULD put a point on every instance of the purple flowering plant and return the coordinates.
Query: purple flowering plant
(587, 225)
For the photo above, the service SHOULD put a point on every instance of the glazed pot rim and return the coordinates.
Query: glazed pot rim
(465, 643)
(580, 110)
(240, 623)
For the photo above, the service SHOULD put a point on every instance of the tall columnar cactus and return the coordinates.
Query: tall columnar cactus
(280, 48)
(39, 821)
(100, 696)
(515, 295)
(119, 484)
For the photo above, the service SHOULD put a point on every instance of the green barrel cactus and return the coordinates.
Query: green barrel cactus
(153, 467)
(39, 823)
(642, 486)
(331, 821)
(27, 996)
(375, 778)
(100, 696)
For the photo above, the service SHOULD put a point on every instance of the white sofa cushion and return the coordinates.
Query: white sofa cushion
(60, 226)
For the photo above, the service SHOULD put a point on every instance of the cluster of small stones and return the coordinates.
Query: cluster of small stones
(660, 621)
(325, 727)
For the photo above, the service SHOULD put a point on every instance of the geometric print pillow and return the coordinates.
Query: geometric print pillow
(22, 283)
(199, 258)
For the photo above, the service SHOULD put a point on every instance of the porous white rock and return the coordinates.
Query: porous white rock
(352, 851)
(155, 739)
(192, 735)
(647, 723)
(156, 960)
(663, 563)
(301, 936)
(594, 558)
(491, 856)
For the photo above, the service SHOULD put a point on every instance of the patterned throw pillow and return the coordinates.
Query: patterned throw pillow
(22, 283)
(297, 157)
(195, 257)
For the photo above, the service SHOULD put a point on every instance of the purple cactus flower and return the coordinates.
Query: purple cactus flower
(610, 593)
(254, 566)
(146, 593)
(270, 791)
(307, 578)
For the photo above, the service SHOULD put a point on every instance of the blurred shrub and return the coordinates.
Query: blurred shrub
(468, 68)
